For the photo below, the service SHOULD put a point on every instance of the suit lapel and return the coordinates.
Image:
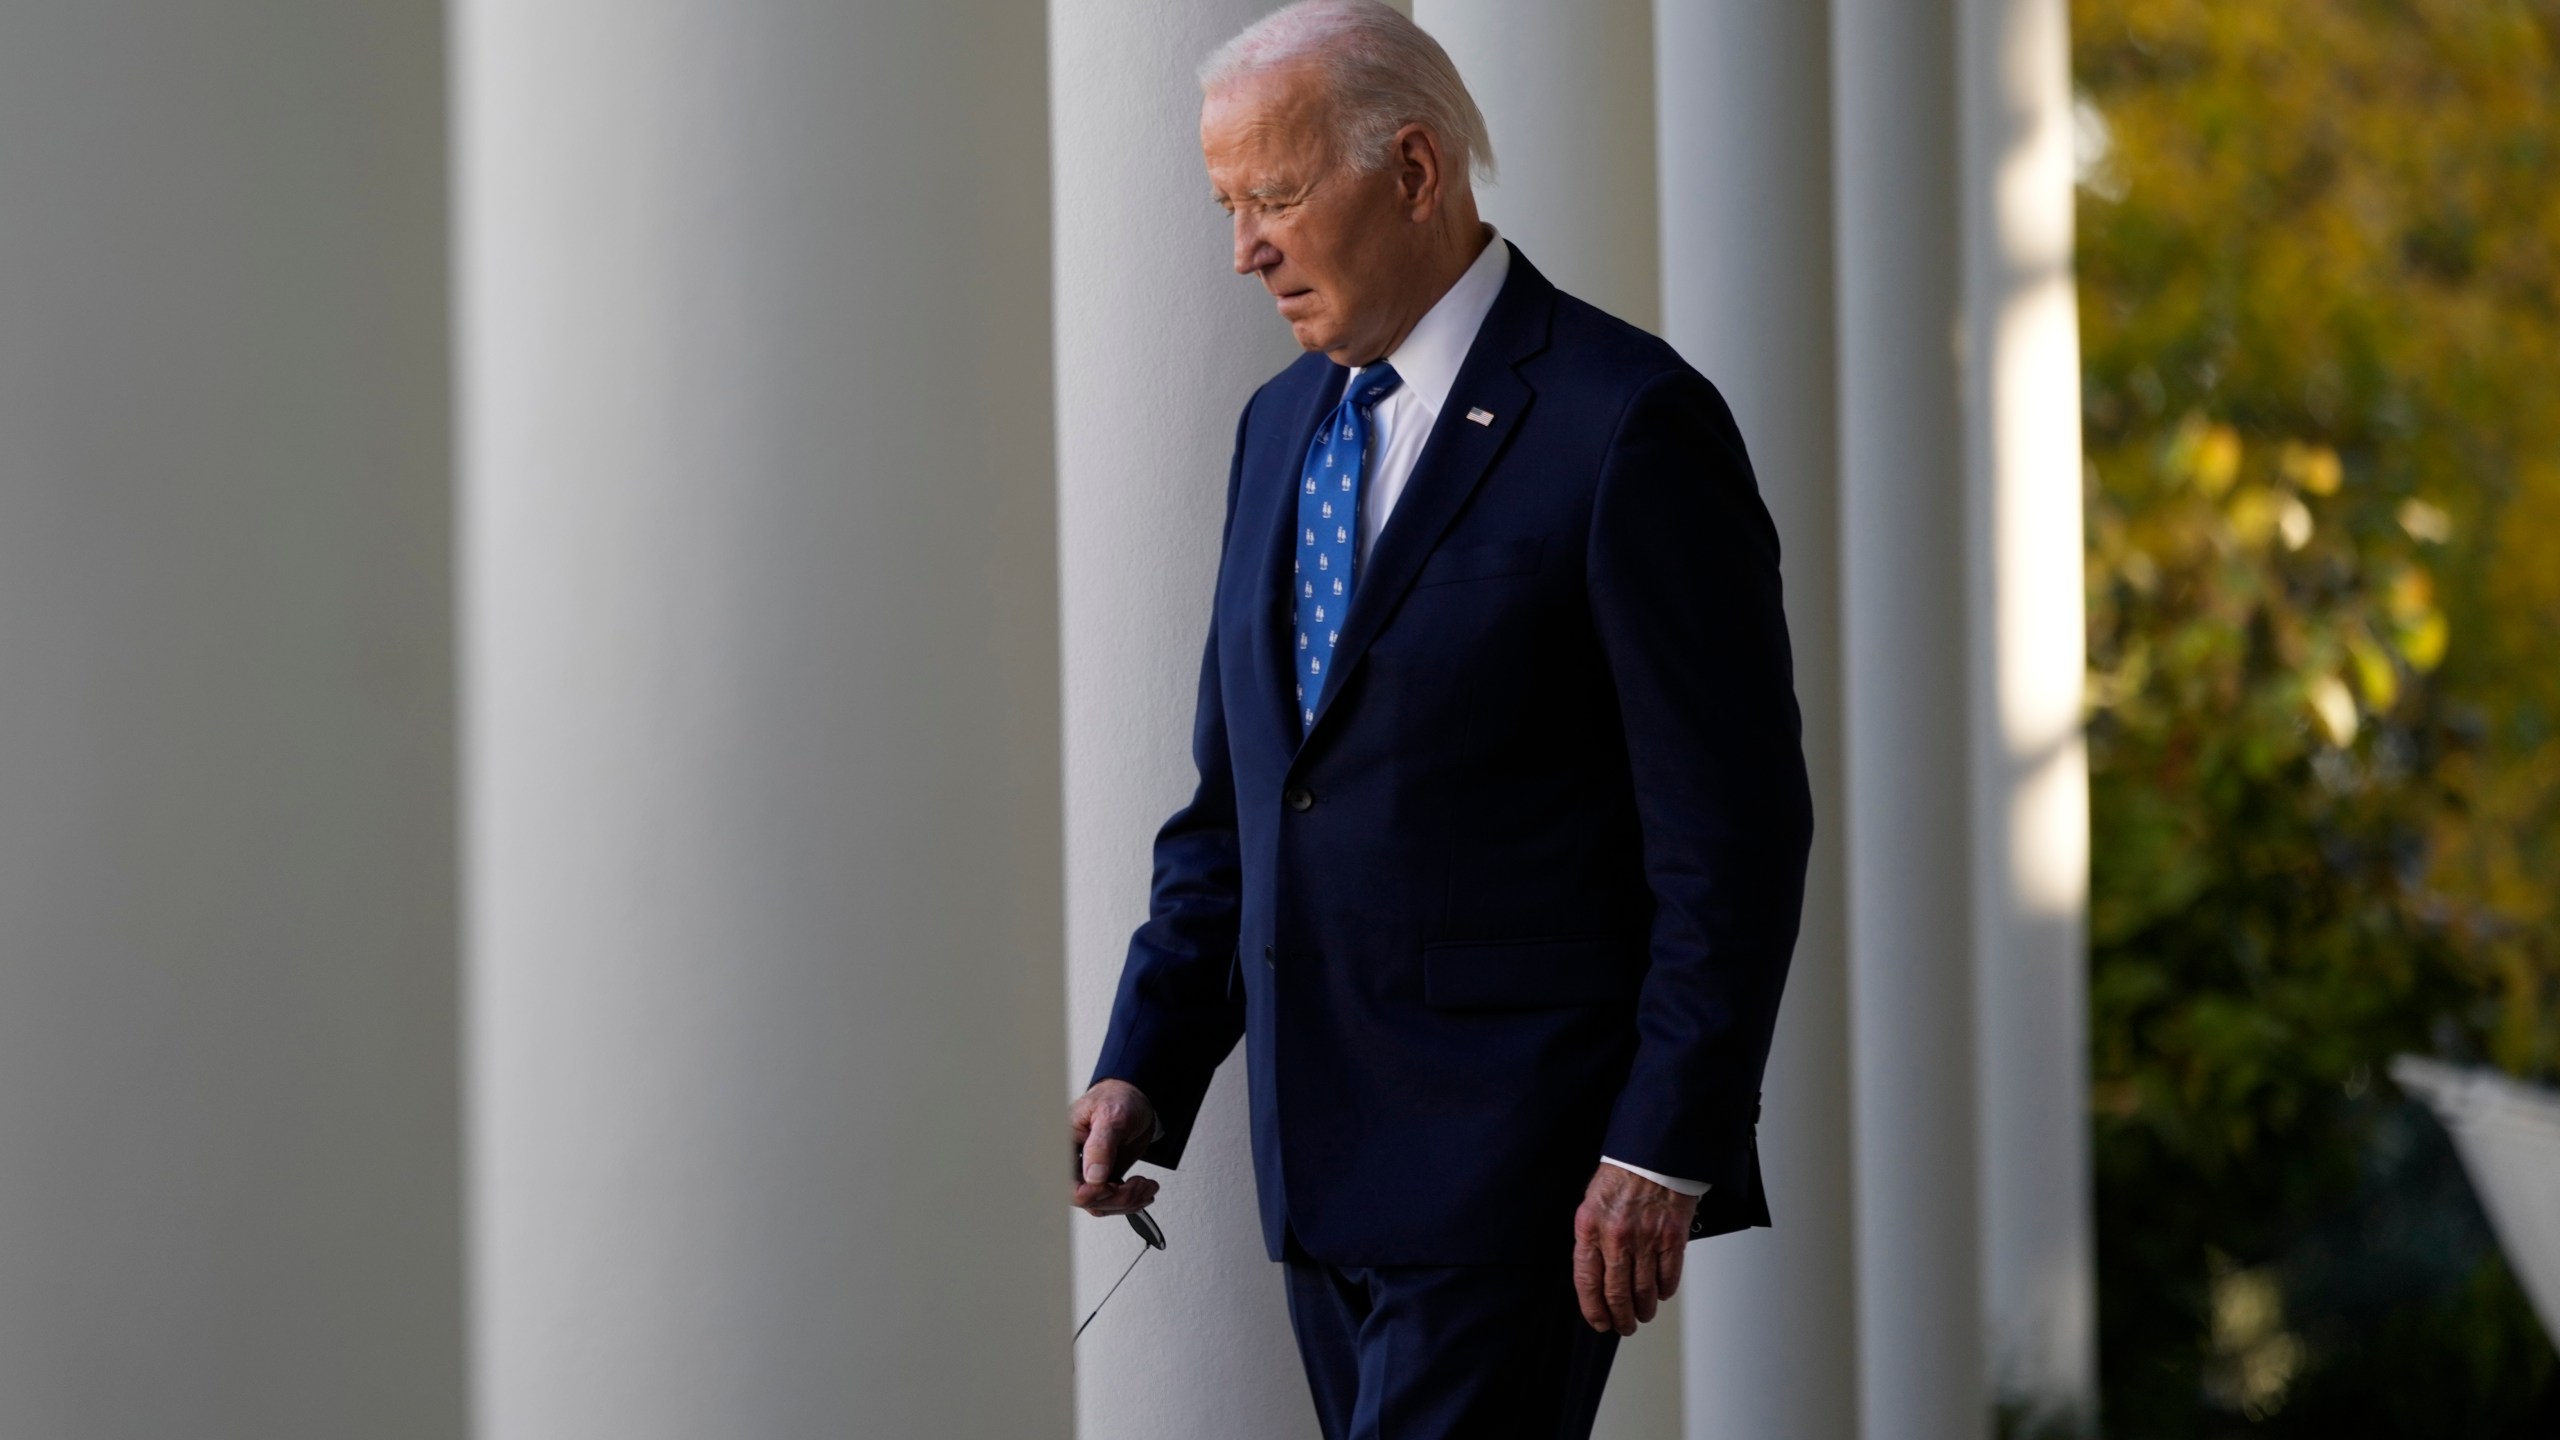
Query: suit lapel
(1453, 462)
(1273, 623)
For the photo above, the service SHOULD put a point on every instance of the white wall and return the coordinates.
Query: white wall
(1159, 345)
(229, 1150)
(760, 625)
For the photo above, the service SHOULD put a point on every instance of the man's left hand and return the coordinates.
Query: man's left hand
(1628, 1240)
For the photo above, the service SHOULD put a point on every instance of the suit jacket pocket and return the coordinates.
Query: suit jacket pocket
(1479, 562)
(1530, 974)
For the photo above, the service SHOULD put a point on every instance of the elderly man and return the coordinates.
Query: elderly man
(1498, 849)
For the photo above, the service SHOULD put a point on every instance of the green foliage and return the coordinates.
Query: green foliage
(2318, 241)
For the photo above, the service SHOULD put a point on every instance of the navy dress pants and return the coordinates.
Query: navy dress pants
(1447, 1352)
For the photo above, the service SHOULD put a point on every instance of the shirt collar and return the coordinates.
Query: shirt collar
(1429, 358)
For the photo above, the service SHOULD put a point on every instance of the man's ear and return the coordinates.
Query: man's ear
(1419, 172)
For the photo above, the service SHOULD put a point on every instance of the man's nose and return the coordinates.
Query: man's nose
(1253, 253)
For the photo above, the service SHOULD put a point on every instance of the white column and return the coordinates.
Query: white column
(1159, 345)
(230, 1202)
(1907, 737)
(2030, 770)
(763, 789)
(1747, 295)
(1567, 91)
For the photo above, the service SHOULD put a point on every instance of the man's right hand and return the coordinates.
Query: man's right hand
(1111, 1124)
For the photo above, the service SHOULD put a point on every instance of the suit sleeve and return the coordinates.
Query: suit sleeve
(1684, 594)
(1176, 1016)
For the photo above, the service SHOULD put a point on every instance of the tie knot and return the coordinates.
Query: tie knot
(1376, 383)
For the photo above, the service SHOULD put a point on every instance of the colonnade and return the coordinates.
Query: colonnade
(595, 593)
(567, 951)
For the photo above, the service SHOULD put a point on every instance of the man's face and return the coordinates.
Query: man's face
(1334, 245)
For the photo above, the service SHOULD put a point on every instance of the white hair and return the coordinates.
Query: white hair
(1383, 72)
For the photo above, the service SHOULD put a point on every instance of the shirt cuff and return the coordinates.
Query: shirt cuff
(1691, 1188)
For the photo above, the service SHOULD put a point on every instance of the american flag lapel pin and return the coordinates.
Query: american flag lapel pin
(1480, 415)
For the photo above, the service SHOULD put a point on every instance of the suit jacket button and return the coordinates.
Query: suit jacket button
(1299, 797)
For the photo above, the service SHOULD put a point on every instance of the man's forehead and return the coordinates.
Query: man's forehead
(1262, 155)
(1281, 109)
(1258, 169)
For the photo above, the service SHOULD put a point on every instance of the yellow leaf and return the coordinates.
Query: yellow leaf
(2255, 514)
(2334, 708)
(2422, 641)
(2425, 522)
(2217, 459)
(2293, 522)
(2413, 595)
(2374, 674)
(2313, 467)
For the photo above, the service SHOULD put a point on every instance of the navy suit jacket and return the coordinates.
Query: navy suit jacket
(1527, 891)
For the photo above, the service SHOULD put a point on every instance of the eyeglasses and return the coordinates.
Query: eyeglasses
(1149, 1231)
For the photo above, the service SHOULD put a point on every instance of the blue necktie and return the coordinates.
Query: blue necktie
(1329, 531)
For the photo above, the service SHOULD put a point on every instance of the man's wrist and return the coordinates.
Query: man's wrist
(1691, 1188)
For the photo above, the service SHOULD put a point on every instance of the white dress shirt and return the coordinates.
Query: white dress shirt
(1428, 362)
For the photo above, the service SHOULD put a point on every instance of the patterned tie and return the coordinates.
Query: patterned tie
(1328, 530)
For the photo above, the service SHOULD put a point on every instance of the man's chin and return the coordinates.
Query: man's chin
(1311, 336)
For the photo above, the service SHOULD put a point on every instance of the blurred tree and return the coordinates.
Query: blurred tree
(2322, 339)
